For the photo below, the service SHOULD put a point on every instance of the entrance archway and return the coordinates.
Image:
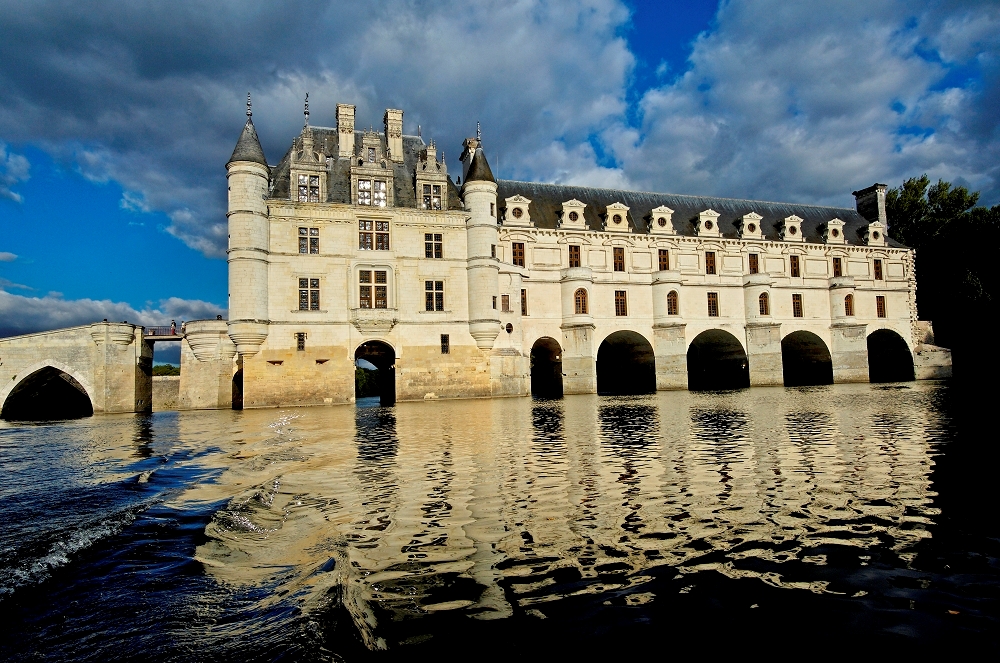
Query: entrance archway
(546, 368)
(716, 360)
(805, 360)
(380, 382)
(625, 365)
(48, 393)
(889, 358)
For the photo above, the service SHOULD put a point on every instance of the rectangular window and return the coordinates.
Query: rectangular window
(381, 289)
(797, 306)
(713, 305)
(524, 302)
(494, 302)
(433, 246)
(664, 260)
(379, 193)
(308, 294)
(878, 270)
(619, 253)
(493, 250)
(710, 262)
(505, 303)
(308, 188)
(574, 256)
(754, 264)
(365, 291)
(880, 306)
(309, 240)
(493, 209)
(433, 295)
(300, 341)
(838, 268)
(445, 344)
(517, 254)
(431, 196)
(381, 235)
(793, 265)
(364, 192)
(621, 303)
(366, 238)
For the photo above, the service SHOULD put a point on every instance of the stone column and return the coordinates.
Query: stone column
(669, 335)
(579, 364)
(849, 352)
(123, 379)
(764, 354)
(207, 366)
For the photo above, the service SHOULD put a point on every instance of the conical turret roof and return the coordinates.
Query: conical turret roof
(248, 146)
(479, 169)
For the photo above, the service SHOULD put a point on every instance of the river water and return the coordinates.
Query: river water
(826, 515)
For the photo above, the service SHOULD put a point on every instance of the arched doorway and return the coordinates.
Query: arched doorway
(625, 365)
(379, 381)
(716, 360)
(546, 368)
(48, 393)
(889, 358)
(805, 360)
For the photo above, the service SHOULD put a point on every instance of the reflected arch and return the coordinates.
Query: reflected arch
(716, 360)
(805, 360)
(380, 382)
(889, 357)
(546, 368)
(47, 393)
(625, 364)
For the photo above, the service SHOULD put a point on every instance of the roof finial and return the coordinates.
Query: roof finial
(249, 111)
(479, 133)
(418, 131)
(306, 112)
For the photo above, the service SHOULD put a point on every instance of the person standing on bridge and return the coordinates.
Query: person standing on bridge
(173, 328)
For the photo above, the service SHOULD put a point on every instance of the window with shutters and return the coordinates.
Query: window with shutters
(764, 303)
(309, 240)
(433, 245)
(524, 302)
(673, 303)
(797, 305)
(433, 295)
(308, 294)
(849, 305)
(710, 262)
(621, 303)
(754, 263)
(838, 267)
(308, 188)
(878, 270)
(880, 306)
(713, 304)
(619, 259)
(517, 253)
(574, 256)
(580, 301)
(793, 265)
(664, 262)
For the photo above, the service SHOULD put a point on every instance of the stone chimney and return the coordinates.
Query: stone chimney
(345, 129)
(394, 133)
(870, 203)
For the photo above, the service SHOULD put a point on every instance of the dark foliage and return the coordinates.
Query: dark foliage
(166, 369)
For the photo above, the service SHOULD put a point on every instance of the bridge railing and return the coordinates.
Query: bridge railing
(164, 331)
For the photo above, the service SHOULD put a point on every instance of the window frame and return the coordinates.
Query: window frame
(310, 288)
(505, 303)
(794, 266)
(517, 254)
(838, 267)
(710, 262)
(575, 255)
(581, 303)
(713, 304)
(445, 344)
(673, 303)
(524, 301)
(881, 310)
(753, 263)
(764, 303)
(308, 188)
(433, 295)
(618, 258)
(798, 307)
(849, 305)
(621, 303)
(434, 245)
(300, 341)
(308, 241)
(663, 259)
(877, 270)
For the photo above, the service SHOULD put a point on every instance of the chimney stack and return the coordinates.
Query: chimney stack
(394, 133)
(870, 203)
(345, 129)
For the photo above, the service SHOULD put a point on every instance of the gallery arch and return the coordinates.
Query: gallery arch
(805, 360)
(546, 368)
(48, 393)
(716, 360)
(375, 372)
(889, 358)
(625, 365)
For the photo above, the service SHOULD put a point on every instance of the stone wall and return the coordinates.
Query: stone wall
(166, 389)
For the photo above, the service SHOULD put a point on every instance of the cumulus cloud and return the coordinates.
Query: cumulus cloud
(14, 168)
(24, 315)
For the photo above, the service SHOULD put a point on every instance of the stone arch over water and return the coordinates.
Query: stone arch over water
(381, 355)
(805, 360)
(47, 393)
(546, 368)
(625, 364)
(889, 358)
(716, 360)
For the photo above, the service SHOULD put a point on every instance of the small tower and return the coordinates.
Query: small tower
(479, 193)
(247, 174)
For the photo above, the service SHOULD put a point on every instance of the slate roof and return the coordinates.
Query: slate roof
(547, 199)
(326, 141)
(479, 169)
(248, 146)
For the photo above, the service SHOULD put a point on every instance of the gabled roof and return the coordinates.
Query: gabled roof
(248, 146)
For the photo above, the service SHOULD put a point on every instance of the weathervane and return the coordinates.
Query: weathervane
(307, 109)
(479, 133)
(249, 112)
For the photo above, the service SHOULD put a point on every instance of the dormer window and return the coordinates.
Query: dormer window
(371, 155)
(372, 192)
(432, 196)
(308, 188)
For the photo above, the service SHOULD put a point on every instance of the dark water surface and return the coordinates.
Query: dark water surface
(826, 517)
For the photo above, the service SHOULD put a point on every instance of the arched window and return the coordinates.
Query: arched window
(580, 301)
(672, 305)
(765, 304)
(849, 305)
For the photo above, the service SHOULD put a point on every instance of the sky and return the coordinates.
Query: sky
(116, 123)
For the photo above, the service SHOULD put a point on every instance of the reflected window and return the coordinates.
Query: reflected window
(580, 301)
(308, 188)
(673, 307)
(764, 303)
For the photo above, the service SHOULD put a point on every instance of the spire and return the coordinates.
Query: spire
(248, 146)
(474, 162)
(479, 132)
(306, 112)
